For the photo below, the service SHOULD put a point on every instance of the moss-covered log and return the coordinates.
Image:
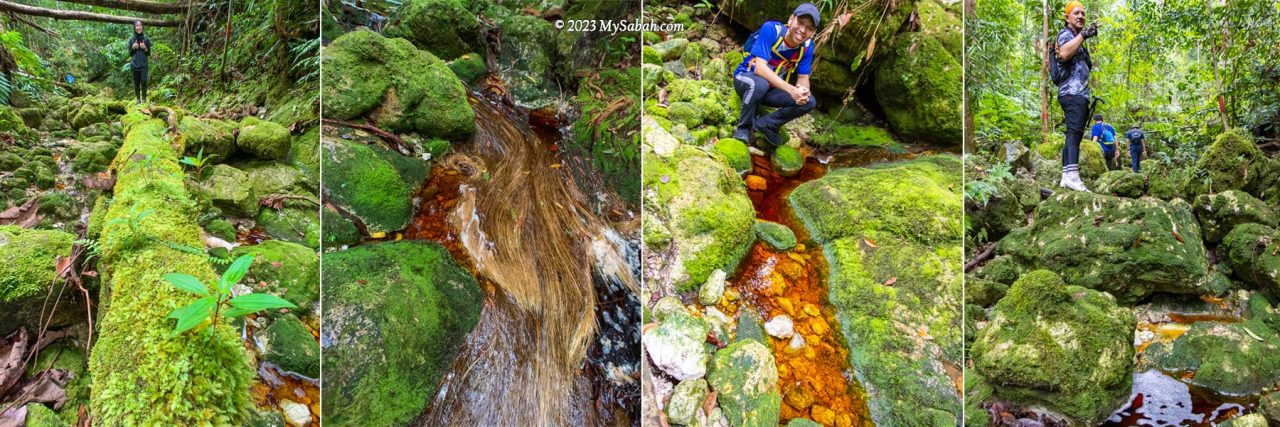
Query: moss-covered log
(142, 375)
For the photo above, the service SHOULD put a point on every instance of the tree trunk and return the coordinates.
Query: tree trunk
(1044, 76)
(970, 134)
(137, 5)
(76, 15)
(226, 44)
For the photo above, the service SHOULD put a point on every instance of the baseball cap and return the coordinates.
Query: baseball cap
(810, 10)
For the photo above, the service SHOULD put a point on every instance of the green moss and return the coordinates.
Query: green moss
(304, 154)
(39, 415)
(297, 222)
(844, 135)
(685, 113)
(1220, 213)
(59, 206)
(221, 229)
(468, 67)
(446, 28)
(1224, 357)
(528, 59)
(359, 179)
(397, 312)
(228, 189)
(291, 346)
(263, 139)
(142, 375)
(402, 88)
(217, 138)
(1252, 251)
(787, 160)
(91, 157)
(613, 140)
(745, 380)
(338, 231)
(1232, 162)
(1128, 247)
(1123, 183)
(1064, 347)
(27, 259)
(651, 56)
(918, 86)
(288, 270)
(778, 236)
(735, 152)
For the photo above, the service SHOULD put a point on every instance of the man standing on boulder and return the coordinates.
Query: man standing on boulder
(1073, 89)
(777, 55)
(139, 50)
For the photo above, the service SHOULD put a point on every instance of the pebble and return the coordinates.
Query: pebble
(296, 414)
(713, 288)
(757, 183)
(797, 342)
(780, 327)
(716, 315)
(811, 310)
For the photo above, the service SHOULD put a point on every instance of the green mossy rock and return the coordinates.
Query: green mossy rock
(338, 231)
(92, 157)
(217, 138)
(371, 183)
(613, 140)
(291, 346)
(844, 135)
(39, 415)
(1233, 162)
(1067, 348)
(702, 202)
(263, 139)
(735, 153)
(527, 60)
(677, 344)
(221, 229)
(446, 28)
(1123, 183)
(290, 271)
(27, 260)
(778, 236)
(918, 200)
(400, 87)
(1251, 250)
(304, 154)
(1220, 213)
(1225, 357)
(787, 161)
(910, 210)
(468, 67)
(1251, 420)
(686, 401)
(269, 177)
(59, 206)
(395, 314)
(229, 189)
(1128, 247)
(918, 86)
(1092, 164)
(745, 379)
(671, 49)
(297, 222)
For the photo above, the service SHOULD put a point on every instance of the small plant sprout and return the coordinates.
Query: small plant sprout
(217, 302)
(198, 162)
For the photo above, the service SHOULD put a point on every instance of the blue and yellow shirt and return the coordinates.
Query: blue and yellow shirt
(785, 61)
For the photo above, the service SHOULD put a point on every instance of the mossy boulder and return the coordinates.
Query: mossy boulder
(778, 236)
(446, 28)
(59, 206)
(676, 345)
(263, 139)
(1128, 247)
(395, 84)
(1233, 162)
(297, 222)
(395, 315)
(1067, 348)
(1252, 250)
(787, 161)
(847, 135)
(1230, 358)
(686, 401)
(1221, 212)
(907, 281)
(371, 183)
(285, 269)
(215, 138)
(1092, 164)
(270, 177)
(304, 154)
(745, 379)
(701, 201)
(229, 189)
(527, 60)
(670, 49)
(92, 157)
(918, 87)
(468, 67)
(735, 153)
(27, 261)
(1123, 183)
(338, 230)
(291, 346)
(613, 140)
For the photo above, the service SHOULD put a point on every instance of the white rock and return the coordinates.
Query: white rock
(713, 289)
(797, 342)
(780, 327)
(296, 414)
(716, 316)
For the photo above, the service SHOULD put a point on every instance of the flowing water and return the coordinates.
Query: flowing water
(557, 279)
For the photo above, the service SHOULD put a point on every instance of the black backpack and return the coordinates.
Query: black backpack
(1060, 70)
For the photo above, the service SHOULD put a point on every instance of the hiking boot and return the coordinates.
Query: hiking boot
(771, 135)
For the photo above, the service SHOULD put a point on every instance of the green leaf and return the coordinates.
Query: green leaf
(235, 272)
(187, 283)
(255, 302)
(187, 161)
(191, 315)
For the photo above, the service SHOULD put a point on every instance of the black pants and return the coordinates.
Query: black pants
(1075, 113)
(1113, 163)
(755, 90)
(140, 83)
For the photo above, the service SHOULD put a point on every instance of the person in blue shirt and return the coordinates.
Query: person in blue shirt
(1105, 136)
(1137, 146)
(775, 72)
(1073, 93)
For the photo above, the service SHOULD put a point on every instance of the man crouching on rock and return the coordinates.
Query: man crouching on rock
(777, 54)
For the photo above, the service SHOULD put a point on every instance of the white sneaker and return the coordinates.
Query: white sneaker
(1073, 182)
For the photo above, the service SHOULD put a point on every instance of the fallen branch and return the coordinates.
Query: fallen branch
(19, 18)
(76, 15)
(395, 141)
(613, 107)
(986, 255)
(138, 5)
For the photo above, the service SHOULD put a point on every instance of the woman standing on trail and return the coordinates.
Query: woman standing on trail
(139, 50)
